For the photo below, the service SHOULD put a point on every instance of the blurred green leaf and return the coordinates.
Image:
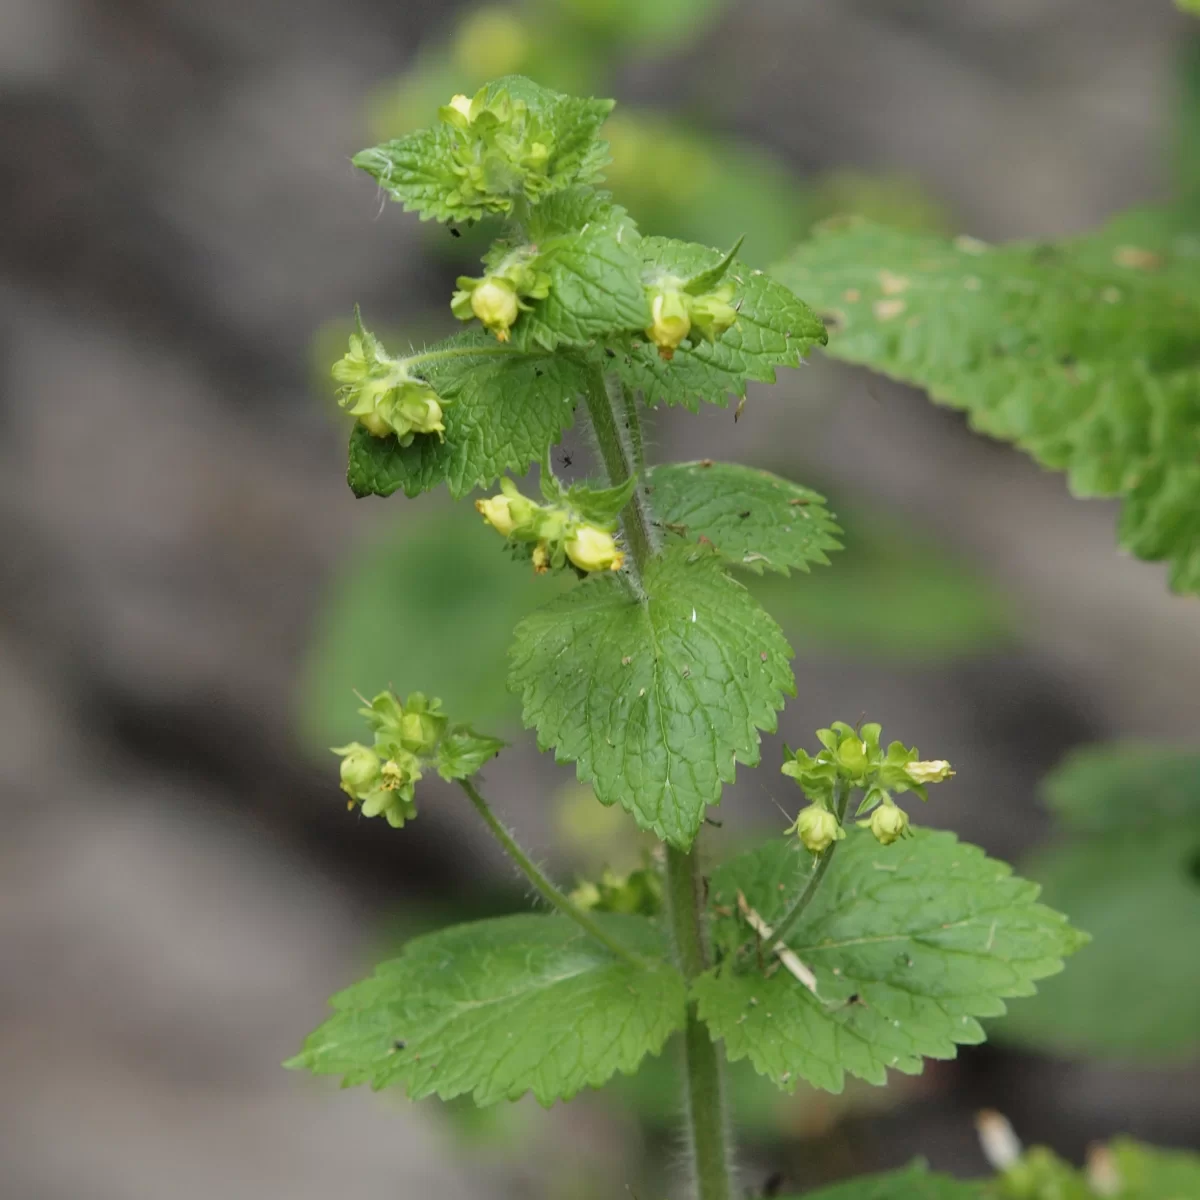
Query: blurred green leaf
(891, 594)
(1126, 786)
(912, 1183)
(1133, 991)
(429, 606)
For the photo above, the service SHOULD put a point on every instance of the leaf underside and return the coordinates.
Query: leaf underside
(1086, 355)
(656, 701)
(498, 1008)
(909, 943)
(756, 520)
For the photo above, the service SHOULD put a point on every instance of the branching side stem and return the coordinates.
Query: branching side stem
(841, 798)
(544, 887)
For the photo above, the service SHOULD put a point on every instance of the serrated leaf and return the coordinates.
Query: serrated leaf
(911, 1183)
(1126, 786)
(462, 752)
(774, 329)
(1137, 895)
(415, 170)
(502, 1007)
(656, 701)
(1091, 366)
(595, 291)
(574, 208)
(755, 519)
(418, 170)
(506, 409)
(909, 944)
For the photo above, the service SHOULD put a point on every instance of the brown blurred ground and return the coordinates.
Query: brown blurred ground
(179, 886)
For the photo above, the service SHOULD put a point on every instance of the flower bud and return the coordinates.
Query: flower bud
(497, 513)
(494, 302)
(361, 770)
(461, 104)
(888, 823)
(817, 828)
(541, 558)
(934, 771)
(591, 549)
(672, 322)
(422, 724)
(712, 314)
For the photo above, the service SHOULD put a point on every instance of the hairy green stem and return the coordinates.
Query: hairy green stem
(706, 1104)
(841, 797)
(605, 399)
(544, 887)
(617, 427)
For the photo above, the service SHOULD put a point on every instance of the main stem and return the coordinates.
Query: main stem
(618, 433)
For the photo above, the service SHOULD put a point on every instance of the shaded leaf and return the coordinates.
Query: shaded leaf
(755, 519)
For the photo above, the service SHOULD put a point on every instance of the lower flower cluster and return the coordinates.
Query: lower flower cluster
(853, 759)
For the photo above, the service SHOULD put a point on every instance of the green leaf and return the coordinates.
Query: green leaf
(595, 291)
(1093, 368)
(462, 752)
(1148, 1173)
(1189, 6)
(506, 409)
(655, 700)
(570, 210)
(502, 1007)
(909, 944)
(417, 171)
(774, 329)
(1126, 786)
(1138, 895)
(755, 519)
(911, 1183)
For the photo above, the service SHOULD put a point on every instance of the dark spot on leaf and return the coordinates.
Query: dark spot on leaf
(610, 353)
(743, 515)
(455, 232)
(398, 1044)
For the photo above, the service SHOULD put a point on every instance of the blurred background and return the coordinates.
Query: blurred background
(190, 593)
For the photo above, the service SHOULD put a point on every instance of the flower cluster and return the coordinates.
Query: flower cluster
(382, 778)
(853, 759)
(675, 313)
(500, 148)
(499, 297)
(640, 891)
(556, 533)
(380, 392)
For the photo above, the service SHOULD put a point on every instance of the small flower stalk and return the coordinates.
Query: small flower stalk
(554, 534)
(383, 395)
(853, 758)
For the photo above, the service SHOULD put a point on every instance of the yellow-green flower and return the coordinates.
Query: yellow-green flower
(670, 318)
(889, 823)
(592, 549)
